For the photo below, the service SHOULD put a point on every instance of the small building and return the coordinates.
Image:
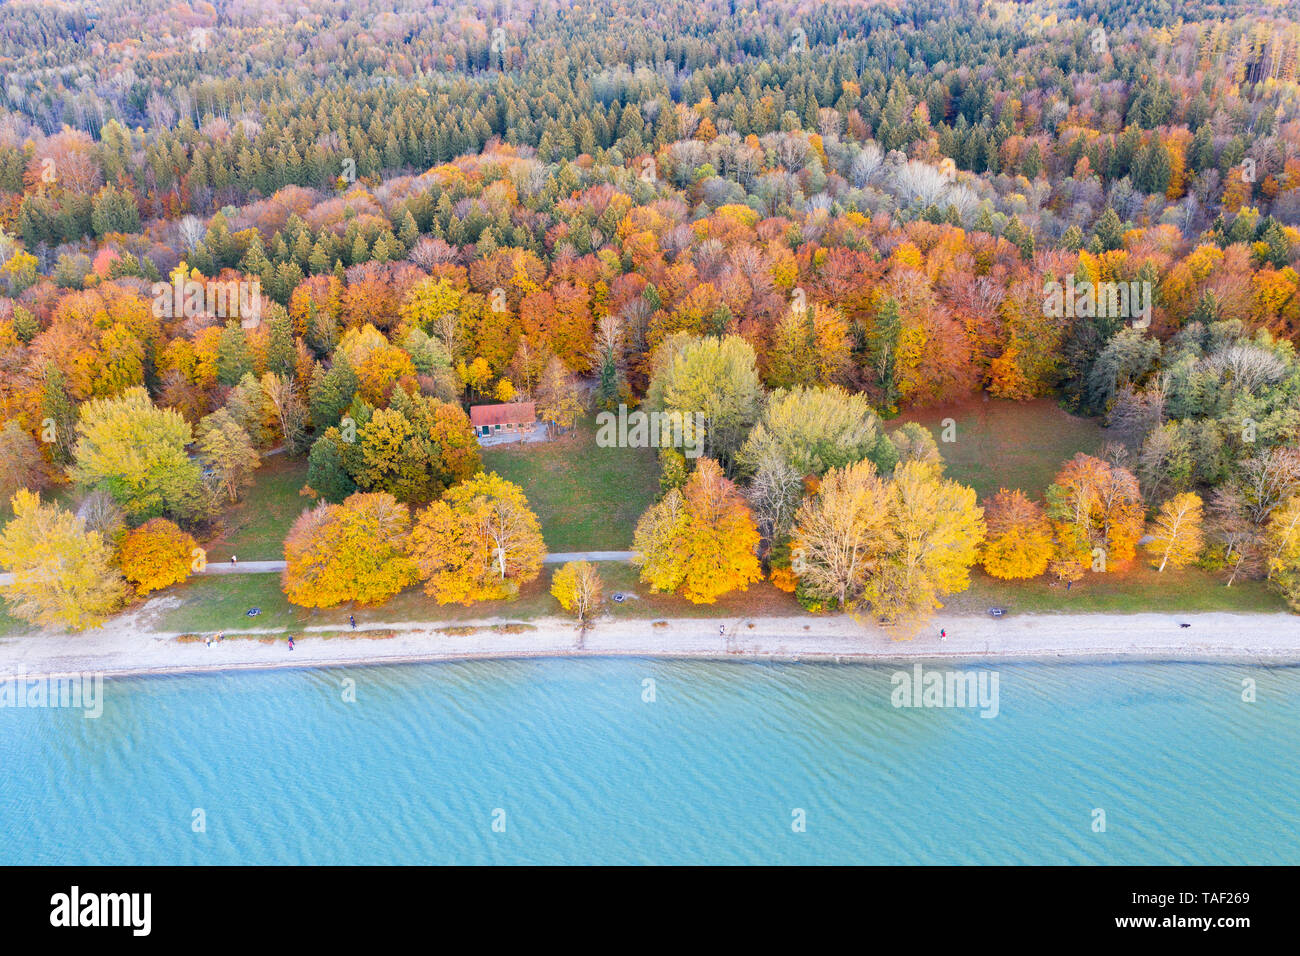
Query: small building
(513, 418)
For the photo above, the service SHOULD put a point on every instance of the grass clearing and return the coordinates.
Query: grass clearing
(212, 603)
(1004, 444)
(220, 603)
(587, 498)
(254, 528)
(1137, 589)
(759, 601)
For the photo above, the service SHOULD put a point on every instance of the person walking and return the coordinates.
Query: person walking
(943, 634)
(291, 643)
(352, 619)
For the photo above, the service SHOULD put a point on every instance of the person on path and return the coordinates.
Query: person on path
(291, 643)
(233, 559)
(943, 634)
(352, 619)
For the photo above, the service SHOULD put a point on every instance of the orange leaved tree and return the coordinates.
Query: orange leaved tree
(354, 551)
(1096, 511)
(156, 554)
(700, 541)
(480, 541)
(1019, 543)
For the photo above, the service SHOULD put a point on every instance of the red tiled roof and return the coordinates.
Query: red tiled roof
(514, 413)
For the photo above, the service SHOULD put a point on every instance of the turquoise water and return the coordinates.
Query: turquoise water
(586, 771)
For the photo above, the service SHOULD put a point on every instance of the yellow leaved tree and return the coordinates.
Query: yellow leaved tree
(577, 587)
(480, 541)
(1176, 534)
(62, 575)
(352, 551)
(699, 541)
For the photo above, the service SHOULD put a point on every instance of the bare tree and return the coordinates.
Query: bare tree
(1241, 538)
(774, 494)
(100, 512)
(1245, 366)
(192, 230)
(289, 410)
(1266, 480)
(448, 331)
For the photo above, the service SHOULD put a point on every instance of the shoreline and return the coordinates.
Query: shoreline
(130, 650)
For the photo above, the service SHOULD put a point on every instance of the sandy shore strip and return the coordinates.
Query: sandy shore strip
(126, 646)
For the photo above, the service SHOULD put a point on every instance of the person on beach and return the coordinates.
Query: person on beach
(943, 634)
(208, 641)
(291, 643)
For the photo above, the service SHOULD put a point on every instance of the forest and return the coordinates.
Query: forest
(324, 230)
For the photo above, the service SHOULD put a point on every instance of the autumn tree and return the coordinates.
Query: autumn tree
(227, 453)
(912, 441)
(841, 534)
(1283, 544)
(1019, 542)
(413, 450)
(62, 573)
(893, 546)
(810, 347)
(155, 555)
(716, 378)
(559, 401)
(577, 587)
(136, 452)
(1095, 506)
(936, 529)
(428, 301)
(1176, 534)
(815, 429)
(354, 551)
(21, 465)
(480, 541)
(700, 541)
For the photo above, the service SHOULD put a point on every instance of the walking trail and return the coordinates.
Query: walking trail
(129, 644)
